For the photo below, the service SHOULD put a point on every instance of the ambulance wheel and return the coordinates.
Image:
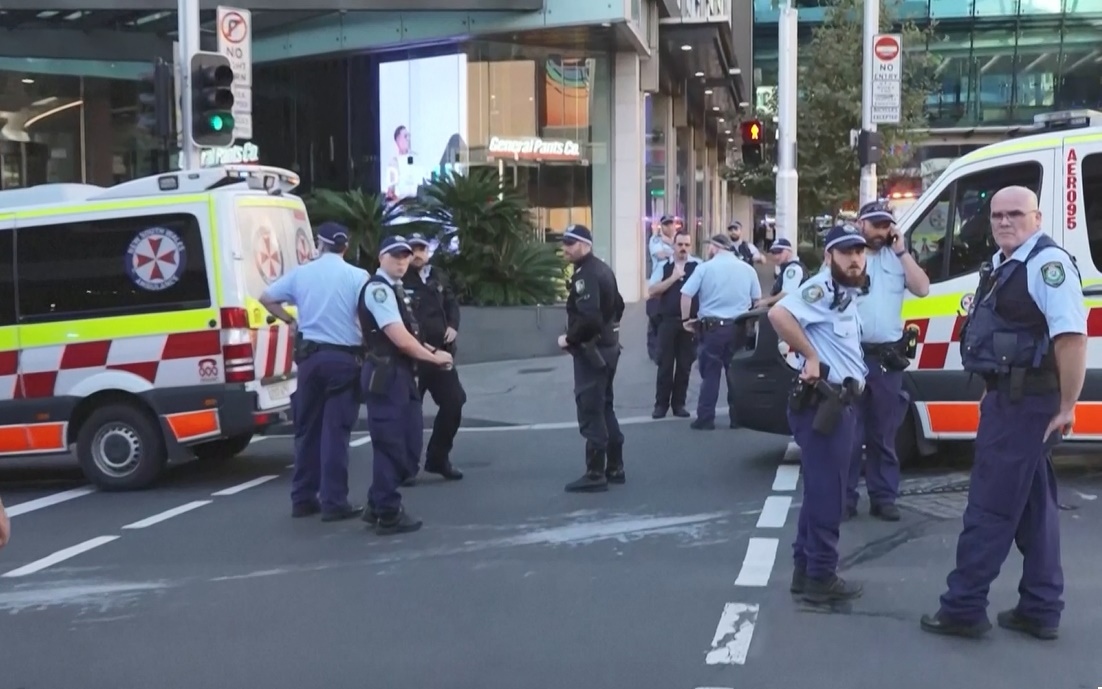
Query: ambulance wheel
(120, 447)
(226, 448)
(906, 441)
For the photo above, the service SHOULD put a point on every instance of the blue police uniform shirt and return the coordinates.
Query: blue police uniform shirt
(882, 308)
(726, 285)
(790, 282)
(657, 245)
(659, 266)
(325, 291)
(382, 303)
(1053, 283)
(835, 335)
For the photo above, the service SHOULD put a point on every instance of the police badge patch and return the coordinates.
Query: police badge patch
(1053, 273)
(790, 273)
(379, 294)
(579, 286)
(812, 294)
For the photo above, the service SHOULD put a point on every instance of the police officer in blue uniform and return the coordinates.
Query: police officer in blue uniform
(726, 287)
(393, 352)
(791, 272)
(891, 271)
(820, 322)
(742, 248)
(676, 346)
(660, 250)
(1026, 335)
(327, 352)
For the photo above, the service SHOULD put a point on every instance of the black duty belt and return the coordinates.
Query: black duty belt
(347, 349)
(1023, 381)
(710, 322)
(878, 348)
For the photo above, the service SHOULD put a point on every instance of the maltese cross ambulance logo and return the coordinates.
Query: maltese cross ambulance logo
(269, 256)
(155, 259)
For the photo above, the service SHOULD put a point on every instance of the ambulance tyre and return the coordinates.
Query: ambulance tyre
(121, 447)
(906, 441)
(226, 448)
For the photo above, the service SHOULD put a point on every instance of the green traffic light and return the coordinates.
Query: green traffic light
(220, 122)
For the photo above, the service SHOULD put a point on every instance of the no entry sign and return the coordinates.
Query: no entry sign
(886, 48)
(887, 78)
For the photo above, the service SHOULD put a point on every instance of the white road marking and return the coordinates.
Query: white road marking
(234, 490)
(59, 556)
(731, 642)
(761, 553)
(788, 477)
(167, 514)
(258, 438)
(360, 441)
(775, 512)
(49, 500)
(792, 453)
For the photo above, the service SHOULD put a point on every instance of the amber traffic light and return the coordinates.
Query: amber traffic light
(752, 132)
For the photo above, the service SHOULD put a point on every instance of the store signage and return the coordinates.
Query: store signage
(533, 147)
(232, 155)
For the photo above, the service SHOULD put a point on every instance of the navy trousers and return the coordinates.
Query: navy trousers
(1011, 500)
(878, 414)
(715, 348)
(325, 409)
(825, 460)
(396, 423)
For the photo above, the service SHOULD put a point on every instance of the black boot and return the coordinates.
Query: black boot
(594, 479)
(614, 472)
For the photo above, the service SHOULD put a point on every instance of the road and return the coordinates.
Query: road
(677, 579)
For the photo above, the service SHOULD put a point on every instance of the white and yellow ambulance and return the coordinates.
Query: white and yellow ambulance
(948, 231)
(130, 331)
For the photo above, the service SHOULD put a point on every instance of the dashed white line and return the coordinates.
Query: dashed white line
(788, 477)
(60, 556)
(775, 512)
(360, 441)
(49, 500)
(761, 553)
(731, 642)
(167, 514)
(234, 490)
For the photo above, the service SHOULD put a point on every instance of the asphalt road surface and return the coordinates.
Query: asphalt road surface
(676, 580)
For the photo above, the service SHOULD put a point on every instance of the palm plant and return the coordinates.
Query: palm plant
(368, 218)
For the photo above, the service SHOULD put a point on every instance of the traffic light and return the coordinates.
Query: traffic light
(156, 106)
(211, 100)
(753, 137)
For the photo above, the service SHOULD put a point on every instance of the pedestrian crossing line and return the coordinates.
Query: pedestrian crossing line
(59, 556)
(791, 453)
(49, 501)
(757, 566)
(258, 438)
(775, 512)
(234, 490)
(788, 477)
(360, 441)
(735, 630)
(167, 514)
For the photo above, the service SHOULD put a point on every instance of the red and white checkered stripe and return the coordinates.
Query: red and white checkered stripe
(274, 351)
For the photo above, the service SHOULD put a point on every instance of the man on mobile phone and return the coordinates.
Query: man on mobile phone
(1026, 335)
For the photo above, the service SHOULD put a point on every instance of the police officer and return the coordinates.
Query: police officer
(328, 356)
(676, 346)
(791, 273)
(726, 287)
(1026, 334)
(821, 324)
(593, 311)
(742, 248)
(660, 248)
(891, 269)
(436, 311)
(392, 349)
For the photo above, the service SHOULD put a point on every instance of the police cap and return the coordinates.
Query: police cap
(417, 239)
(395, 245)
(333, 234)
(722, 241)
(780, 245)
(844, 237)
(876, 211)
(577, 233)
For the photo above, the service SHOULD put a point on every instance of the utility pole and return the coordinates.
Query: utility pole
(788, 221)
(868, 191)
(188, 26)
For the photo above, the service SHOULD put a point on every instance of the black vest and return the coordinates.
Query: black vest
(779, 282)
(669, 302)
(744, 252)
(426, 299)
(376, 343)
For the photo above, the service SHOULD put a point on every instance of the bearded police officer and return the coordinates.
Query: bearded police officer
(437, 313)
(676, 346)
(594, 309)
(821, 324)
(661, 250)
(726, 287)
(891, 271)
(1026, 334)
(791, 273)
(389, 381)
(327, 353)
(742, 248)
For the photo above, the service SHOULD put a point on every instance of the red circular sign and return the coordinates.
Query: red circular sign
(886, 48)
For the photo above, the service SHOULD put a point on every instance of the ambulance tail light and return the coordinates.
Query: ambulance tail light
(237, 346)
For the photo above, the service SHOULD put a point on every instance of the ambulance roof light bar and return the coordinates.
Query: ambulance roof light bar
(273, 180)
(1067, 119)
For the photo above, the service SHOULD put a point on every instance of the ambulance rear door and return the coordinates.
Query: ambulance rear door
(13, 436)
(949, 234)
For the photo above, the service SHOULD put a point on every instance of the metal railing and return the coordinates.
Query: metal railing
(706, 10)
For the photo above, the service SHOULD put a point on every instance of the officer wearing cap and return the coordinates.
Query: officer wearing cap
(327, 353)
(891, 270)
(1026, 335)
(742, 248)
(821, 324)
(593, 312)
(791, 273)
(726, 288)
(393, 348)
(660, 247)
(436, 311)
(676, 346)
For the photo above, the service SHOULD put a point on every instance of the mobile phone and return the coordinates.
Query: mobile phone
(409, 160)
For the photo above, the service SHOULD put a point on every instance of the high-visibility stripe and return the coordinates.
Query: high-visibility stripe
(9, 340)
(194, 424)
(62, 210)
(116, 327)
(934, 305)
(270, 202)
(963, 419)
(32, 438)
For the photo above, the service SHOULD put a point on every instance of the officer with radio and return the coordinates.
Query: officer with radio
(742, 248)
(821, 324)
(791, 272)
(676, 346)
(726, 288)
(891, 270)
(328, 354)
(1026, 335)
(437, 313)
(393, 348)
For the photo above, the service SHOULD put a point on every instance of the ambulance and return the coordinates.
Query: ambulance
(130, 331)
(948, 231)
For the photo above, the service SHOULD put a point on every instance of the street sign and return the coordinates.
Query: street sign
(235, 41)
(887, 78)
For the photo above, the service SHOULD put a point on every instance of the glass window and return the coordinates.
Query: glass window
(1090, 172)
(953, 236)
(121, 266)
(7, 279)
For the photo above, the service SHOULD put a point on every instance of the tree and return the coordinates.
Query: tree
(830, 107)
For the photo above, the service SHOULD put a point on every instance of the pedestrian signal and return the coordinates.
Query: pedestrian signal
(752, 132)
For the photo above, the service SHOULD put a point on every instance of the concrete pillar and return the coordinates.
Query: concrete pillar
(628, 162)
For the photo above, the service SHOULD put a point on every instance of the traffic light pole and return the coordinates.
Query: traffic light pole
(787, 206)
(188, 24)
(868, 191)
